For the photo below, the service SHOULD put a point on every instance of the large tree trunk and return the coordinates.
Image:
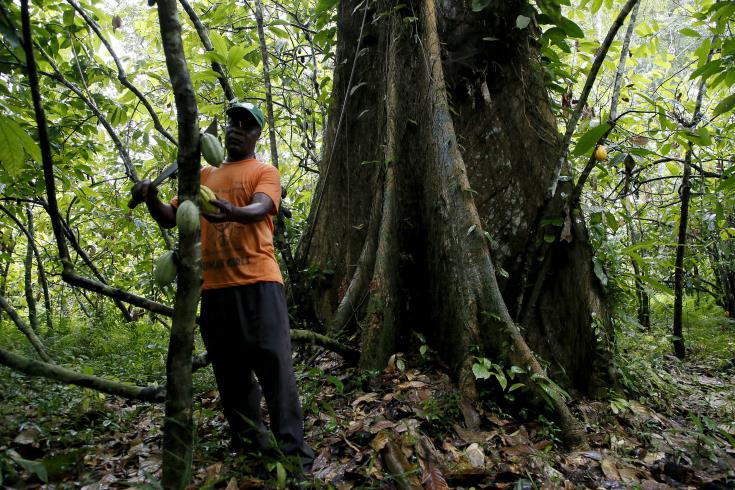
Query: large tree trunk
(453, 148)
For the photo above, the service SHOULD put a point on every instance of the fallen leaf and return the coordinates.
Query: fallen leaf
(379, 441)
(609, 469)
(475, 455)
(411, 384)
(595, 455)
(28, 437)
(383, 424)
(628, 475)
(652, 458)
(433, 479)
(369, 397)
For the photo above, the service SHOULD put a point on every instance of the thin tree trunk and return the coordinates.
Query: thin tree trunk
(582, 101)
(27, 331)
(677, 330)
(4, 283)
(267, 82)
(39, 264)
(681, 244)
(28, 265)
(178, 426)
(620, 72)
(279, 237)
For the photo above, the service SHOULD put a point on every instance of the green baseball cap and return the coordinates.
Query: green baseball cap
(235, 106)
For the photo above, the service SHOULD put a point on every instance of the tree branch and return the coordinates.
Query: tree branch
(27, 331)
(57, 373)
(121, 75)
(204, 37)
(591, 77)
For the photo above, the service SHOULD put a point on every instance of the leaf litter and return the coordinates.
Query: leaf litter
(401, 428)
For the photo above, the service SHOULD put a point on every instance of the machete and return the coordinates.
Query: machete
(171, 169)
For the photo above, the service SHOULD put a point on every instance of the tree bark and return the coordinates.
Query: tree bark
(681, 244)
(506, 140)
(450, 172)
(28, 276)
(178, 426)
(39, 264)
(27, 331)
(51, 371)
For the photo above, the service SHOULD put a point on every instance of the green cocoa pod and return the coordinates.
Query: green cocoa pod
(165, 271)
(212, 150)
(187, 218)
(205, 195)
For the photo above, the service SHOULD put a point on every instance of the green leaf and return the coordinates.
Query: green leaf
(725, 105)
(237, 53)
(68, 17)
(219, 44)
(656, 284)
(13, 141)
(515, 387)
(687, 31)
(480, 371)
(588, 140)
(280, 476)
(501, 379)
(522, 21)
(279, 32)
(324, 5)
(572, 29)
(336, 382)
(612, 222)
(599, 272)
(35, 467)
(479, 5)
(552, 8)
(704, 137)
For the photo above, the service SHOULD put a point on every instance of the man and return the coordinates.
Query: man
(244, 319)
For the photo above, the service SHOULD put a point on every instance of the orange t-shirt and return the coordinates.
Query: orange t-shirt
(237, 254)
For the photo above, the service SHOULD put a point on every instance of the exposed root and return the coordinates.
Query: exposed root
(380, 337)
(365, 265)
(474, 299)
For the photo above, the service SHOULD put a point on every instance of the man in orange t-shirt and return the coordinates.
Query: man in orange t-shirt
(244, 317)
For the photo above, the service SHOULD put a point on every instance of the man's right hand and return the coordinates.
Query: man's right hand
(143, 191)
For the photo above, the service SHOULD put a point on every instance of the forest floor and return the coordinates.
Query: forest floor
(400, 428)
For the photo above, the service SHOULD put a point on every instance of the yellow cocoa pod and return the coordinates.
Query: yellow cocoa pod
(600, 153)
(165, 271)
(187, 218)
(205, 195)
(212, 150)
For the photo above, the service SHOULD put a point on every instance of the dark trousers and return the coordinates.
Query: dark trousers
(245, 330)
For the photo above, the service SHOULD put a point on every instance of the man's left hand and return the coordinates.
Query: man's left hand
(227, 211)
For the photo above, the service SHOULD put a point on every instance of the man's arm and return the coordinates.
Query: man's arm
(258, 209)
(164, 214)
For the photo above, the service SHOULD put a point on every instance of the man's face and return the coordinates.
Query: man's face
(241, 134)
